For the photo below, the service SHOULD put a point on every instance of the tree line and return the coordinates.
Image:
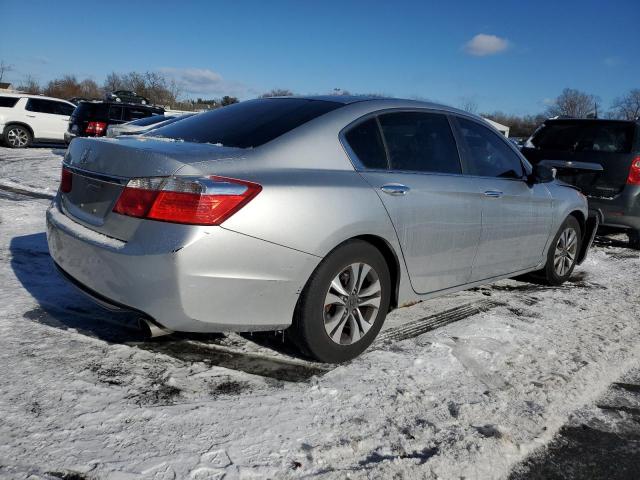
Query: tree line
(574, 104)
(154, 86)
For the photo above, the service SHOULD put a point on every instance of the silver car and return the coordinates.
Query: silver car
(317, 215)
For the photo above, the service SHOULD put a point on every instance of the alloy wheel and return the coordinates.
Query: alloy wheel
(565, 253)
(352, 303)
(17, 137)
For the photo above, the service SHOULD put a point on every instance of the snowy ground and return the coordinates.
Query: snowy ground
(463, 386)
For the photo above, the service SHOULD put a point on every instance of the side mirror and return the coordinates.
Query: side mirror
(542, 174)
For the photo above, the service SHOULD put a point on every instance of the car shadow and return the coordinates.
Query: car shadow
(62, 306)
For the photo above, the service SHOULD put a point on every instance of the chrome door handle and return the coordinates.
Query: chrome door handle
(395, 189)
(493, 193)
(31, 116)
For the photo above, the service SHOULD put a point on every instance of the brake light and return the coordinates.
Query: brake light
(188, 200)
(96, 129)
(634, 172)
(66, 180)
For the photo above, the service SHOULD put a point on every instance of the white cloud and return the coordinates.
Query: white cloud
(203, 81)
(482, 45)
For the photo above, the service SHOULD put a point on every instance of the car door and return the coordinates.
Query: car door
(46, 118)
(516, 215)
(63, 111)
(411, 159)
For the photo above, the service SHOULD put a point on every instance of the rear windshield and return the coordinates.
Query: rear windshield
(91, 110)
(143, 122)
(8, 101)
(585, 136)
(247, 124)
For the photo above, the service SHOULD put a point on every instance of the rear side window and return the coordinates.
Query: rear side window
(115, 113)
(584, 136)
(366, 142)
(247, 124)
(8, 102)
(487, 153)
(420, 142)
(63, 109)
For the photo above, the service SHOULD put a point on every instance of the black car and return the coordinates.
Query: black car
(601, 158)
(91, 119)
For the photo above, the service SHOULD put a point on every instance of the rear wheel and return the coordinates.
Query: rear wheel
(634, 239)
(17, 136)
(563, 253)
(344, 303)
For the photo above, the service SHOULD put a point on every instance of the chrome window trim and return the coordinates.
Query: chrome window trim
(359, 166)
(524, 163)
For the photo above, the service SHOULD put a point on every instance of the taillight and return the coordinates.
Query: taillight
(96, 129)
(194, 201)
(634, 172)
(66, 180)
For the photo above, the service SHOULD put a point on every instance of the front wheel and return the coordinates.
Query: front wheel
(563, 253)
(344, 303)
(17, 136)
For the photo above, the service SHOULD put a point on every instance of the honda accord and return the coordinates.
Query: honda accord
(317, 215)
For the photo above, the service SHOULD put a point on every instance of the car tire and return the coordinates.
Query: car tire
(563, 253)
(634, 239)
(343, 305)
(17, 136)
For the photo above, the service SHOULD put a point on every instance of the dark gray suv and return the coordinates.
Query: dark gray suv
(613, 145)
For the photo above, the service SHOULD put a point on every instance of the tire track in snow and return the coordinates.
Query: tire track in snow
(431, 322)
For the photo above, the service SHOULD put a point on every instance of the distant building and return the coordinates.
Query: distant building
(5, 86)
(503, 129)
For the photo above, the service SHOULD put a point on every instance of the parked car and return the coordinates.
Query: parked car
(614, 147)
(27, 118)
(317, 215)
(126, 96)
(91, 119)
(144, 125)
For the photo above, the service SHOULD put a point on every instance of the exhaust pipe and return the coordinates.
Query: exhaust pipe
(152, 330)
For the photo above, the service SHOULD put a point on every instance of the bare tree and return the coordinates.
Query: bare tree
(4, 68)
(277, 92)
(112, 83)
(573, 103)
(627, 107)
(30, 85)
(468, 104)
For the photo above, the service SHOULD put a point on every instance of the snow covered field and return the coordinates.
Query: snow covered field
(462, 386)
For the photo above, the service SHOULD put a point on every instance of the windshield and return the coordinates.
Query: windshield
(584, 136)
(143, 122)
(247, 124)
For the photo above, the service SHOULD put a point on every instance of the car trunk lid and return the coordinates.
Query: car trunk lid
(101, 168)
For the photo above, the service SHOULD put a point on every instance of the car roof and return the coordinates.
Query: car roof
(380, 102)
(589, 120)
(30, 95)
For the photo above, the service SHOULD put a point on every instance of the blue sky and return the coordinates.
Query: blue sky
(510, 56)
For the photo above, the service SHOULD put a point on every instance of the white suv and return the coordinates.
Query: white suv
(25, 118)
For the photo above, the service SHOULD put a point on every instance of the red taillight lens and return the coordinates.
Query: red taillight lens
(194, 201)
(96, 129)
(634, 172)
(66, 180)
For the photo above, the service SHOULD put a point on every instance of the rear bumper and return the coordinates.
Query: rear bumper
(623, 210)
(217, 281)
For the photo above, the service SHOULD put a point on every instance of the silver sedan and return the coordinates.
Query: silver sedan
(317, 215)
